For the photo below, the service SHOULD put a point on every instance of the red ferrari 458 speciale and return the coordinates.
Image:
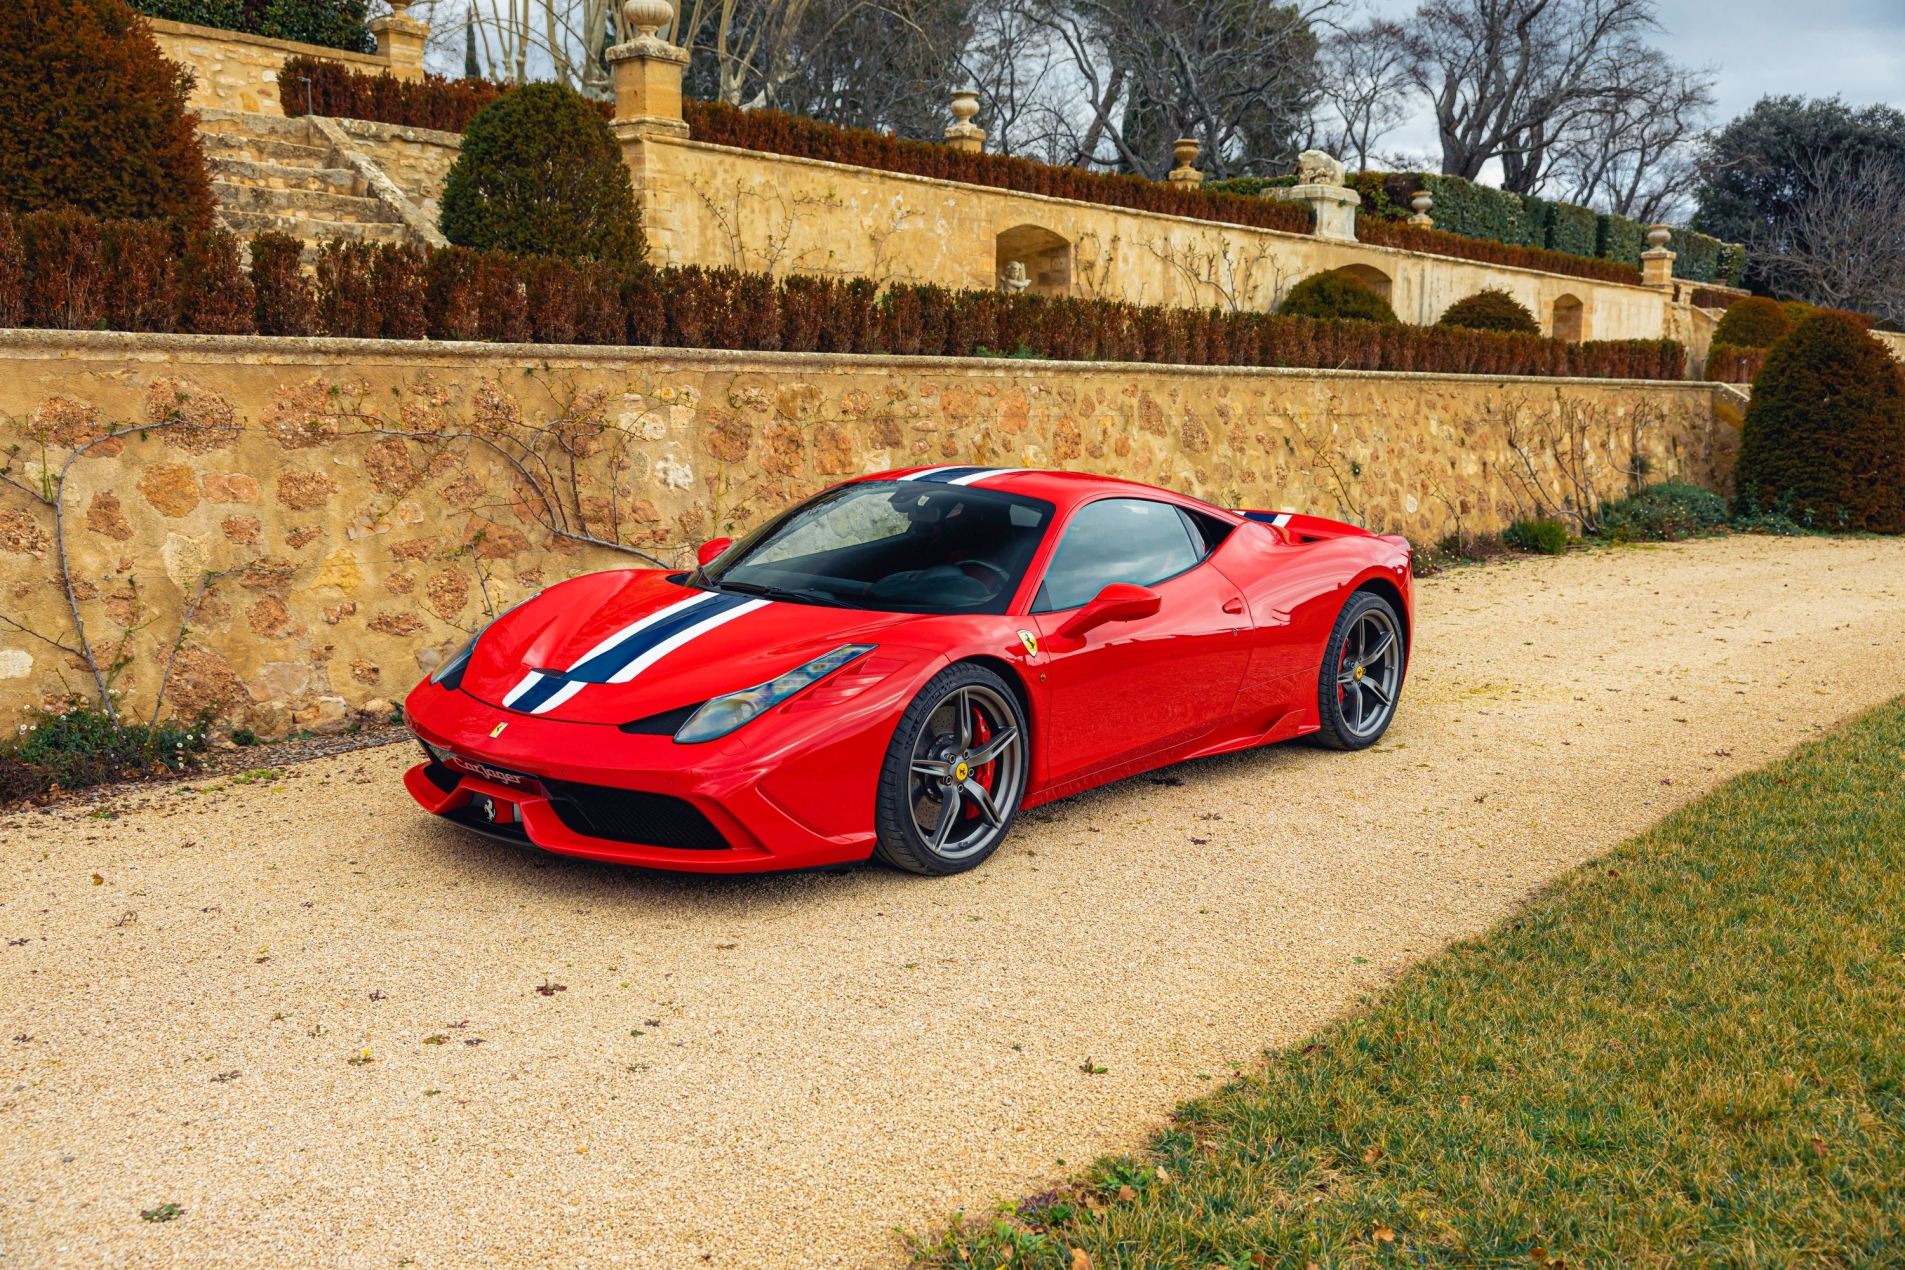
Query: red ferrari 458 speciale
(896, 666)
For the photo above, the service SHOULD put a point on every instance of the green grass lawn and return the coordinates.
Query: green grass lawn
(1691, 1052)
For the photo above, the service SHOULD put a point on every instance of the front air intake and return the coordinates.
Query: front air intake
(633, 816)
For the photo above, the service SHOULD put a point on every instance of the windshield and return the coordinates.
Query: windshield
(901, 546)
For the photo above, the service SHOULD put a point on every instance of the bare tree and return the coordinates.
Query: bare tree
(1507, 78)
(1364, 81)
(1632, 151)
(1843, 244)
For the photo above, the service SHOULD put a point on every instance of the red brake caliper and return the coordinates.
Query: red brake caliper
(981, 734)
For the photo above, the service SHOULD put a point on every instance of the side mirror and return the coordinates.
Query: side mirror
(1119, 602)
(711, 550)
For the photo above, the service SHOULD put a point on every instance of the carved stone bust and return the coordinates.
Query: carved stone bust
(1318, 167)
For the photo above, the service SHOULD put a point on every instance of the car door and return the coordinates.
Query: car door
(1132, 690)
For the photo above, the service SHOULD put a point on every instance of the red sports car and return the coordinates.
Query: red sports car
(896, 666)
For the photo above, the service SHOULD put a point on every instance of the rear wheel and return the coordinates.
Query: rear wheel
(1362, 674)
(954, 774)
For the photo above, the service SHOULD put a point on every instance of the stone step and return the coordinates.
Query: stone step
(285, 176)
(253, 149)
(311, 230)
(212, 120)
(303, 204)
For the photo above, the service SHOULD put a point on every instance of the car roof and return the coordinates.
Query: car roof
(1065, 489)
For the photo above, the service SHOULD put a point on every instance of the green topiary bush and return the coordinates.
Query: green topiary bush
(92, 116)
(1549, 537)
(541, 174)
(1826, 427)
(1336, 295)
(1666, 512)
(1491, 310)
(1755, 322)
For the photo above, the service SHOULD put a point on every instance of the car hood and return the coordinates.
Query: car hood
(619, 646)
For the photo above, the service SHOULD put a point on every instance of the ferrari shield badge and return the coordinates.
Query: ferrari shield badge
(498, 729)
(1031, 643)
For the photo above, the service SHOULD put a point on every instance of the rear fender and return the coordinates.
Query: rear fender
(1298, 528)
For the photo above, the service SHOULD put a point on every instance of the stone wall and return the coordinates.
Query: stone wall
(314, 523)
(236, 71)
(417, 159)
(716, 205)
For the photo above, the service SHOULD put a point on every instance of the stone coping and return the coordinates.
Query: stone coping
(941, 183)
(18, 344)
(166, 26)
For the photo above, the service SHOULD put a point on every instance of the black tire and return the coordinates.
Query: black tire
(928, 763)
(1361, 678)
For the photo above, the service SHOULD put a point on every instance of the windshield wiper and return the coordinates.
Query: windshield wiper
(782, 593)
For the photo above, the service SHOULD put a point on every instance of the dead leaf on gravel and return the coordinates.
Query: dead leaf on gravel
(98, 880)
(376, 994)
(474, 1040)
(548, 989)
(225, 1078)
(127, 919)
(435, 1039)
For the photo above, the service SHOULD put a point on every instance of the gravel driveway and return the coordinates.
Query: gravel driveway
(573, 1065)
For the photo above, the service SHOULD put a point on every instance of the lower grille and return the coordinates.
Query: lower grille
(628, 815)
(442, 777)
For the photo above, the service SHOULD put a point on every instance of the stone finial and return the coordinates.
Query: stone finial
(962, 133)
(400, 40)
(1185, 175)
(648, 16)
(1422, 201)
(1320, 167)
(1656, 263)
(1015, 279)
(647, 72)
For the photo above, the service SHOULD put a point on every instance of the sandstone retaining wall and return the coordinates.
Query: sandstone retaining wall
(326, 518)
(236, 71)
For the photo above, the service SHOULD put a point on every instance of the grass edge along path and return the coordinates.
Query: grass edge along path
(1690, 1052)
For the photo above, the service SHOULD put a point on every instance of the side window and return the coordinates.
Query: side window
(1116, 540)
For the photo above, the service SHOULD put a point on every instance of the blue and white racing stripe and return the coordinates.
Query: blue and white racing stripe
(631, 650)
(959, 475)
(1279, 519)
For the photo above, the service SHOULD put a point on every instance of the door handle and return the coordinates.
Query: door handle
(1233, 606)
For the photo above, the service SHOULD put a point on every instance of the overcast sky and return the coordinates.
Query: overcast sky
(1813, 48)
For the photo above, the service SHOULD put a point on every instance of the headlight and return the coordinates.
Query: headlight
(724, 714)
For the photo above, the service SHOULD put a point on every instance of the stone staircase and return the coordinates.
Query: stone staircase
(288, 175)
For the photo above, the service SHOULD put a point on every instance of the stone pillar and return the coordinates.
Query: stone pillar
(962, 133)
(400, 40)
(1422, 201)
(1185, 175)
(647, 72)
(1320, 184)
(1656, 263)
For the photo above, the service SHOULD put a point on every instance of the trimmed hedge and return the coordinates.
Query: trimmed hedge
(69, 271)
(1731, 364)
(337, 24)
(339, 92)
(1441, 243)
(1825, 431)
(397, 292)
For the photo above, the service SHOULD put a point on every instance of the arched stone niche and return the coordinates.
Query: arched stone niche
(1569, 321)
(1047, 258)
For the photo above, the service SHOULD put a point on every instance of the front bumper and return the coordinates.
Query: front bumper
(520, 782)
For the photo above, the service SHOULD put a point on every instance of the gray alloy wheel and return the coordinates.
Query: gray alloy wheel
(953, 775)
(1362, 674)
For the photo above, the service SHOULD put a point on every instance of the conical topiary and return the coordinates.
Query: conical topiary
(1755, 322)
(539, 174)
(1824, 437)
(92, 116)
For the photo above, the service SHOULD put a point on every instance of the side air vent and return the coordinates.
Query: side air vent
(667, 723)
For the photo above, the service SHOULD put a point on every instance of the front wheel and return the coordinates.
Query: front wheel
(954, 774)
(1362, 674)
